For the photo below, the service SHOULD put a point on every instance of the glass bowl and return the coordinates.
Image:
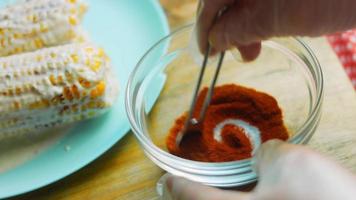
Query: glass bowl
(286, 69)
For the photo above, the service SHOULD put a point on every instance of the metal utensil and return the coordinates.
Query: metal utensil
(194, 122)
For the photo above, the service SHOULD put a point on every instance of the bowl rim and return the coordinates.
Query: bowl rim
(153, 149)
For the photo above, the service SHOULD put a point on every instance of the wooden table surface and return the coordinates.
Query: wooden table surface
(125, 173)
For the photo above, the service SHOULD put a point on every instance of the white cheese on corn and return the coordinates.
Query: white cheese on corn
(54, 86)
(34, 24)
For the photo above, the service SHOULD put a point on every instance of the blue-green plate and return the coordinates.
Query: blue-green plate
(126, 29)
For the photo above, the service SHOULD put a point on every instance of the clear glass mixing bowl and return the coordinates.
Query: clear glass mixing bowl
(286, 69)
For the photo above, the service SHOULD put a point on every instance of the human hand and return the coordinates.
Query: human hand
(286, 171)
(245, 23)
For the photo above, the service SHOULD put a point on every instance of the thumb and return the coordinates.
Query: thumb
(183, 189)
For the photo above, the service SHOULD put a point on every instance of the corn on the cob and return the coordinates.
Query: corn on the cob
(54, 86)
(34, 24)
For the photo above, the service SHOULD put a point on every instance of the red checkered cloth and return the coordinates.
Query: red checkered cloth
(344, 44)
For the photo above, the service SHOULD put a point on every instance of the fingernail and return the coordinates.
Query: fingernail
(212, 41)
(161, 184)
(199, 9)
(218, 41)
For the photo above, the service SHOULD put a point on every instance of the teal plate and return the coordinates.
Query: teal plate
(126, 29)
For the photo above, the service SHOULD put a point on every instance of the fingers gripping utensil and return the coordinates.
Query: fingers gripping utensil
(191, 121)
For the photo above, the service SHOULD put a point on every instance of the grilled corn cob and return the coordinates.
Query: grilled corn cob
(34, 24)
(54, 86)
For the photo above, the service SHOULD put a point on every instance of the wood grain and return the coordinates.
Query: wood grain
(125, 173)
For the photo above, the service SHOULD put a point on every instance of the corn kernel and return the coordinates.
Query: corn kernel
(17, 35)
(23, 73)
(98, 90)
(9, 40)
(91, 104)
(75, 108)
(33, 33)
(87, 62)
(39, 58)
(2, 42)
(101, 104)
(75, 58)
(43, 28)
(84, 93)
(96, 65)
(32, 18)
(18, 90)
(45, 102)
(81, 39)
(53, 55)
(29, 17)
(89, 50)
(17, 105)
(10, 92)
(50, 66)
(73, 11)
(53, 79)
(71, 34)
(84, 107)
(67, 94)
(55, 100)
(69, 76)
(101, 52)
(72, 20)
(60, 80)
(38, 43)
(38, 105)
(18, 50)
(84, 82)
(75, 91)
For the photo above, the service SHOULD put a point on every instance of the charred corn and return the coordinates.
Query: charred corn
(54, 86)
(33, 24)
